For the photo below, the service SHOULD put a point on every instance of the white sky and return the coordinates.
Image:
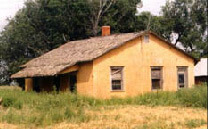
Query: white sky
(153, 6)
(8, 8)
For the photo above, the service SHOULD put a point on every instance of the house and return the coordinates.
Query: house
(200, 71)
(118, 65)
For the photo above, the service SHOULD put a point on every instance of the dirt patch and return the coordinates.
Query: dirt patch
(8, 126)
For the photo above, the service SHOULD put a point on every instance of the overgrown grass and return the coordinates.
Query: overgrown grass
(44, 109)
(195, 123)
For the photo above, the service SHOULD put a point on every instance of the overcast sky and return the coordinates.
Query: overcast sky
(8, 8)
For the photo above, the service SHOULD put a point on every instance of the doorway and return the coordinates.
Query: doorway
(73, 83)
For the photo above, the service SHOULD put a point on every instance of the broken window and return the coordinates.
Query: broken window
(117, 78)
(182, 77)
(156, 78)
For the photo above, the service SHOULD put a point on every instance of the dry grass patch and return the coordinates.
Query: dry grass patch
(142, 117)
(10, 88)
(133, 117)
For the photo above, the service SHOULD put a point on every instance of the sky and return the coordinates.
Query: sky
(8, 8)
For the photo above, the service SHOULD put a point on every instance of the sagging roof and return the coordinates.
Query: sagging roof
(73, 52)
(201, 68)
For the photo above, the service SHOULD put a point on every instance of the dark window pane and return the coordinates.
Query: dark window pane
(116, 84)
(181, 78)
(155, 83)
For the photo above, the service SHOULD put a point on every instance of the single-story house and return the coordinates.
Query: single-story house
(200, 71)
(106, 66)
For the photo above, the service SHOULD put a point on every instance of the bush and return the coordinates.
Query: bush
(8, 102)
(12, 102)
(158, 98)
(193, 97)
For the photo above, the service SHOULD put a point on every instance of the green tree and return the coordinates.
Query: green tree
(187, 19)
(43, 25)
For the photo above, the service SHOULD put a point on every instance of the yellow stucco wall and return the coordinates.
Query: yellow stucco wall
(137, 58)
(85, 79)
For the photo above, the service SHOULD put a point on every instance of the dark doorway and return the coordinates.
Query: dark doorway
(21, 82)
(36, 84)
(57, 82)
(73, 83)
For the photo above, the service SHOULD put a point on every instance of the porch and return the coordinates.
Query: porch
(62, 82)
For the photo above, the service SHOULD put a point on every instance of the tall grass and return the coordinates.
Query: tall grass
(43, 109)
(193, 97)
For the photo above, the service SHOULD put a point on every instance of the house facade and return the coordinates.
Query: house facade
(117, 65)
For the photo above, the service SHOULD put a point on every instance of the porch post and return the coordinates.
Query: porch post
(28, 84)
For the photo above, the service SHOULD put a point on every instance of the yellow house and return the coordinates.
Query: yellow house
(111, 65)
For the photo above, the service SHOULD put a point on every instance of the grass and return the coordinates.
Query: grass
(193, 123)
(44, 109)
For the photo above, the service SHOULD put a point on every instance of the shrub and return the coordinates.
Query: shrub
(8, 102)
(12, 102)
(193, 97)
(157, 98)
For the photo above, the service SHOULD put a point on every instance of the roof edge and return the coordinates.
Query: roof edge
(185, 53)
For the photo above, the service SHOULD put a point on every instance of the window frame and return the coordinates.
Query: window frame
(184, 71)
(161, 77)
(122, 78)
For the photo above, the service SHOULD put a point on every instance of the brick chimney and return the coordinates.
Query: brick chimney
(105, 30)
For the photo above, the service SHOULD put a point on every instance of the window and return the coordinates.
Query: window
(182, 77)
(117, 78)
(156, 78)
(146, 38)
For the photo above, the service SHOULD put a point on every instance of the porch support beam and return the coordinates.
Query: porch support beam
(28, 84)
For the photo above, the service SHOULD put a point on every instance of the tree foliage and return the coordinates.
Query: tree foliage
(187, 19)
(43, 25)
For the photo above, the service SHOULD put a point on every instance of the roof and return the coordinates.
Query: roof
(73, 52)
(201, 68)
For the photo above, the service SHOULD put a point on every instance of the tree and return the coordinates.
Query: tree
(98, 9)
(187, 19)
(43, 25)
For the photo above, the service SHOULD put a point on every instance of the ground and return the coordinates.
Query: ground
(135, 117)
